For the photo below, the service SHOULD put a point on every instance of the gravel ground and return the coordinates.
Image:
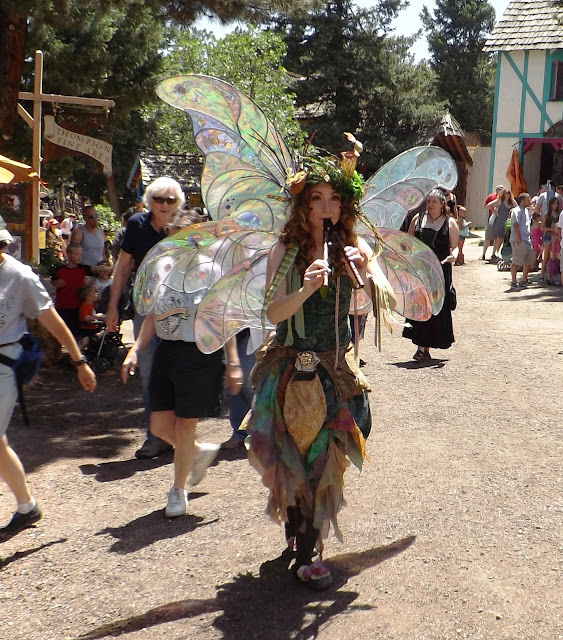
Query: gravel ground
(453, 529)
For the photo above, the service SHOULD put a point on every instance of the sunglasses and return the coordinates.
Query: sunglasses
(92, 217)
(161, 200)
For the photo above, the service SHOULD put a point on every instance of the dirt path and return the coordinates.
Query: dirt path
(454, 530)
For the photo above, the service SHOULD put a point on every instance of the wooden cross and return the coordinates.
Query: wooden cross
(34, 122)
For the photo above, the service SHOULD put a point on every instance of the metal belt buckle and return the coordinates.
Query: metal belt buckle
(306, 361)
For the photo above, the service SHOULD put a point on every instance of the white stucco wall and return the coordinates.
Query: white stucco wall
(510, 93)
(513, 124)
(503, 156)
(536, 72)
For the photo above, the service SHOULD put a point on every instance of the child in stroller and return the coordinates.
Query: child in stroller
(100, 346)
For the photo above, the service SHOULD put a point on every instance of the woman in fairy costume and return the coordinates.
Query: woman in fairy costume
(311, 413)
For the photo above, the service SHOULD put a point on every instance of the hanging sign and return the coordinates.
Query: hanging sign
(97, 149)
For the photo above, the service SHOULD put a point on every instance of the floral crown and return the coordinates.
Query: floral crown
(340, 173)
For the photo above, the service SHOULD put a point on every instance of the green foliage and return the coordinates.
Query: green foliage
(250, 59)
(456, 32)
(403, 106)
(49, 262)
(116, 49)
(106, 219)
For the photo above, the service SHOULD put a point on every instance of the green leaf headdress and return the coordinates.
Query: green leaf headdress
(340, 173)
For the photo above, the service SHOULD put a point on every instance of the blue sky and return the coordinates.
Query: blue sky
(407, 23)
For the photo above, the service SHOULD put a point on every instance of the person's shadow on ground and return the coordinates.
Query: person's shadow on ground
(19, 555)
(148, 529)
(271, 605)
(436, 363)
(121, 469)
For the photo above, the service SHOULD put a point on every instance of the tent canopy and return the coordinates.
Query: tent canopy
(12, 171)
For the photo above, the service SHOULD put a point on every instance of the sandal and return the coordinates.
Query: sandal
(316, 576)
(427, 355)
(419, 355)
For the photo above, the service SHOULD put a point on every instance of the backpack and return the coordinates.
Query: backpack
(26, 367)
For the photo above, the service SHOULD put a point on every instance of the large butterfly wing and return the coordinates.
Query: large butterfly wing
(234, 303)
(194, 259)
(246, 158)
(413, 271)
(403, 183)
(241, 192)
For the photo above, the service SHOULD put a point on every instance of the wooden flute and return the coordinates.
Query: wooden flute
(332, 235)
(327, 226)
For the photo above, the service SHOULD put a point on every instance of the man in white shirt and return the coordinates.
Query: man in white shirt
(23, 296)
(522, 252)
(545, 196)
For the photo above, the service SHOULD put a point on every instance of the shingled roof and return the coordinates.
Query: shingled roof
(183, 167)
(448, 134)
(528, 24)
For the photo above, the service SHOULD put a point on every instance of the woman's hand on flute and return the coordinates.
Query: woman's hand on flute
(355, 258)
(353, 253)
(314, 275)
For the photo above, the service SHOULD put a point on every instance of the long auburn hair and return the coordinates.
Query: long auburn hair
(297, 230)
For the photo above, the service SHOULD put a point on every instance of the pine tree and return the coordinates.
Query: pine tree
(355, 76)
(94, 33)
(456, 32)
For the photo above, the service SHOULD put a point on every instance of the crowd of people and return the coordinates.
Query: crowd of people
(527, 231)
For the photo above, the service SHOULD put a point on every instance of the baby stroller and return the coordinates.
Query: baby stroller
(505, 261)
(103, 348)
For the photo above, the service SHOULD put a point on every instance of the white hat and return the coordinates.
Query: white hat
(5, 235)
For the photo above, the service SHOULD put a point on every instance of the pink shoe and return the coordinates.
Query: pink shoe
(316, 576)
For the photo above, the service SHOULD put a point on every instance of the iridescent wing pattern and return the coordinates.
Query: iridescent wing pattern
(403, 183)
(246, 159)
(234, 303)
(195, 258)
(414, 272)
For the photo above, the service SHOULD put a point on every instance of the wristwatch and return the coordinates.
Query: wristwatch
(79, 363)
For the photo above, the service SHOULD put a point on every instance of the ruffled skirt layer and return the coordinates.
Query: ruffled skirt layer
(313, 479)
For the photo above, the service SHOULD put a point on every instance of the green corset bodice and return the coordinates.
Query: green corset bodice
(319, 320)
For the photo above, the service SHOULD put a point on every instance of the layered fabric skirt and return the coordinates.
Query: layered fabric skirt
(305, 429)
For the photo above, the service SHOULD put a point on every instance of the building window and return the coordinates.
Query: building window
(556, 91)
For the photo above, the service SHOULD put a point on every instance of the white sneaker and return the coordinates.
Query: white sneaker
(177, 504)
(206, 453)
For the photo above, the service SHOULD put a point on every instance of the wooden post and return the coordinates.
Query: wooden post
(36, 153)
(35, 123)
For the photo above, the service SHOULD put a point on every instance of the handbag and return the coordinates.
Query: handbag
(451, 298)
(553, 267)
